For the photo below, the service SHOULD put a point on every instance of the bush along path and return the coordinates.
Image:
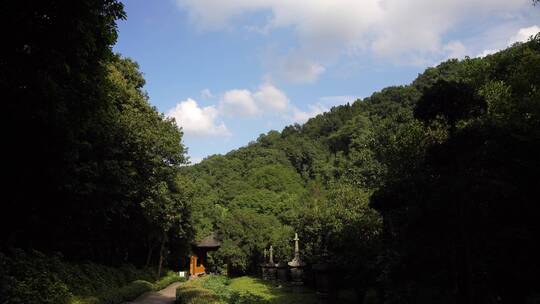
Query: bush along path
(36, 278)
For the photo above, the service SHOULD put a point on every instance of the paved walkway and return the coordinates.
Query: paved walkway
(164, 296)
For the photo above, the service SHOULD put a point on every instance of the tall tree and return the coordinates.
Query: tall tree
(52, 75)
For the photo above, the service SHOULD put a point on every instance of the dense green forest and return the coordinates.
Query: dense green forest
(423, 193)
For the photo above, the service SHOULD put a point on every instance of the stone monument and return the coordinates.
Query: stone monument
(271, 266)
(297, 265)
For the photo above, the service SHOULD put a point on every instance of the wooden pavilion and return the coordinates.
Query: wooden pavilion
(197, 260)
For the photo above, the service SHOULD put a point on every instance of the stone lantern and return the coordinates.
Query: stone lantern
(271, 266)
(297, 265)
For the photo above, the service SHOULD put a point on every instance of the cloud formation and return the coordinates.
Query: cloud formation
(407, 31)
(330, 101)
(299, 116)
(206, 94)
(455, 49)
(238, 103)
(245, 103)
(522, 35)
(197, 121)
(268, 97)
(204, 121)
(298, 69)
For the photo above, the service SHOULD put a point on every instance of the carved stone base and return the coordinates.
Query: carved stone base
(271, 272)
(297, 275)
(282, 273)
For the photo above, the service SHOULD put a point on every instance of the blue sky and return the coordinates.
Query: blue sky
(229, 70)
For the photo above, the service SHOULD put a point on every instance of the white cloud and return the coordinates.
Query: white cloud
(408, 31)
(206, 94)
(247, 104)
(455, 49)
(195, 120)
(487, 52)
(337, 100)
(238, 103)
(271, 98)
(522, 35)
(297, 69)
(300, 116)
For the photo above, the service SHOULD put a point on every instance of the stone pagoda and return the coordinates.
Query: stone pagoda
(297, 265)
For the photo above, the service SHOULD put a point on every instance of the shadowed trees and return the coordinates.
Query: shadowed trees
(92, 167)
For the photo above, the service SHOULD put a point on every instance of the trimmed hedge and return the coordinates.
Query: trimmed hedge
(34, 278)
(193, 292)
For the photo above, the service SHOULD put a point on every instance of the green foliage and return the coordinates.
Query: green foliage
(246, 233)
(193, 292)
(449, 165)
(219, 285)
(277, 178)
(242, 290)
(457, 211)
(453, 101)
(254, 290)
(341, 229)
(447, 162)
(122, 294)
(104, 163)
(371, 297)
(37, 278)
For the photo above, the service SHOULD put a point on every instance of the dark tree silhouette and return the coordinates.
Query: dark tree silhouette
(450, 100)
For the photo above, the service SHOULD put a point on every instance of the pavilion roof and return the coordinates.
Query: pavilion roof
(210, 241)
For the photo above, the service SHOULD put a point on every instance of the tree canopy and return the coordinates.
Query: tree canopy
(92, 167)
(422, 193)
(425, 192)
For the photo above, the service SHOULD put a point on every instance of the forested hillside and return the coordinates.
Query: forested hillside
(91, 168)
(425, 192)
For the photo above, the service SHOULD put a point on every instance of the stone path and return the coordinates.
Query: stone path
(164, 296)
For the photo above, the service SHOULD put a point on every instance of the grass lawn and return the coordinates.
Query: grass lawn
(222, 290)
(193, 292)
(269, 291)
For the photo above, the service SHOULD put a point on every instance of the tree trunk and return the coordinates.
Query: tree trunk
(149, 254)
(161, 249)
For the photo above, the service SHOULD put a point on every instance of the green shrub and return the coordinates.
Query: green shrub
(371, 297)
(246, 298)
(168, 279)
(43, 288)
(214, 289)
(193, 293)
(133, 290)
(29, 281)
(32, 277)
(126, 293)
(219, 285)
